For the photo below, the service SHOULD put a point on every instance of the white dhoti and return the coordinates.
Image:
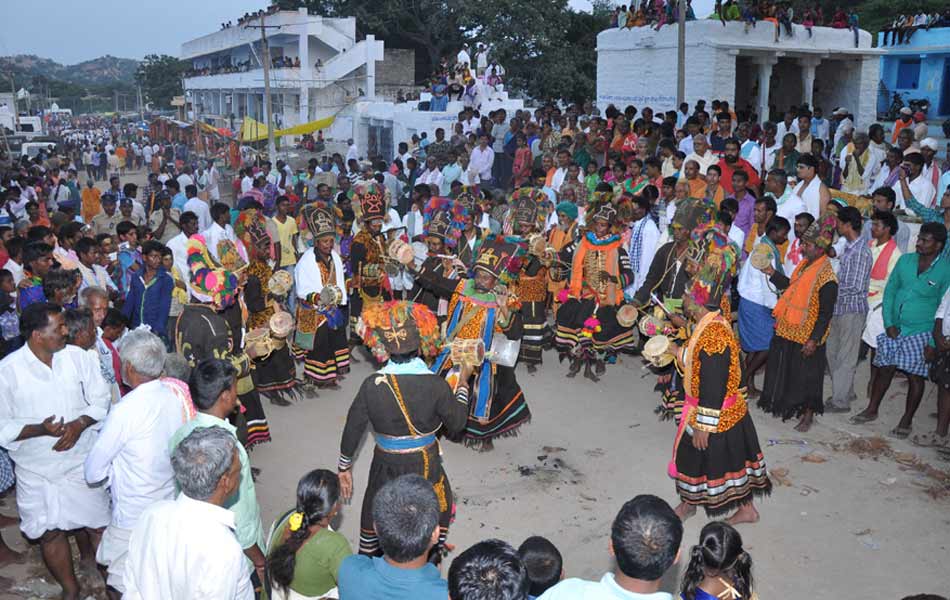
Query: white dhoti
(112, 552)
(66, 503)
(873, 325)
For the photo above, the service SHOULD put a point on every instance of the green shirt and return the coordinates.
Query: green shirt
(911, 300)
(318, 560)
(247, 512)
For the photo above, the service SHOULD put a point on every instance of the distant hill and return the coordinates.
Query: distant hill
(104, 70)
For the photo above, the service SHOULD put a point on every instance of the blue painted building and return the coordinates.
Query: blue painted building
(919, 69)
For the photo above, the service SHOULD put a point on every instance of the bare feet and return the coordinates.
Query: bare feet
(9, 557)
(746, 514)
(865, 416)
(684, 511)
(805, 423)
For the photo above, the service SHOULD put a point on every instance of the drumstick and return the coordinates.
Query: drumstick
(660, 304)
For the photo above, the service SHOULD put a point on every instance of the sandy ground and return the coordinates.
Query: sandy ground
(848, 527)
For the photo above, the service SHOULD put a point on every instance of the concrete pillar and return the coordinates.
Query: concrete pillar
(370, 67)
(765, 64)
(808, 78)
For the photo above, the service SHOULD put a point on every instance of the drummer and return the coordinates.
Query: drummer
(274, 375)
(435, 265)
(320, 281)
(757, 295)
(369, 283)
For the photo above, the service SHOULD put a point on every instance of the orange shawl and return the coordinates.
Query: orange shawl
(614, 294)
(792, 306)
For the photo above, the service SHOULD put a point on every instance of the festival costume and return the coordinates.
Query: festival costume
(497, 406)
(731, 471)
(275, 373)
(320, 337)
(526, 219)
(438, 224)
(406, 405)
(206, 329)
(367, 257)
(793, 382)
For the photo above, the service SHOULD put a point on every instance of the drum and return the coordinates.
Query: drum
(504, 351)
(559, 271)
(280, 283)
(281, 325)
(331, 295)
(761, 257)
(650, 326)
(372, 271)
(467, 353)
(401, 252)
(656, 351)
(257, 343)
(537, 244)
(627, 315)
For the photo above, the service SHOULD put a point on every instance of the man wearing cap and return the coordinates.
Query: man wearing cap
(906, 120)
(566, 232)
(106, 221)
(795, 371)
(320, 337)
(931, 170)
(406, 404)
(480, 308)
(587, 328)
(434, 265)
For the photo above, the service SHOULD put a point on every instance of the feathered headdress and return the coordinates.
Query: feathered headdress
(399, 327)
(251, 228)
(501, 256)
(714, 260)
(209, 283)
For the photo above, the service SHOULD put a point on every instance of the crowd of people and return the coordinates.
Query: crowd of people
(903, 27)
(148, 331)
(467, 80)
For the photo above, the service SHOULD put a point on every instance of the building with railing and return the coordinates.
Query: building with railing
(917, 70)
(318, 68)
(751, 70)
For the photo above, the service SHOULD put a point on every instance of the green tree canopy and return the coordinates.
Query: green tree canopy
(547, 49)
(160, 78)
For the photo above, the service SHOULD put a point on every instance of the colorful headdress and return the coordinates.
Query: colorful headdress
(251, 228)
(445, 219)
(501, 256)
(693, 212)
(466, 200)
(714, 258)
(399, 327)
(605, 212)
(821, 232)
(524, 213)
(209, 283)
(318, 219)
(372, 201)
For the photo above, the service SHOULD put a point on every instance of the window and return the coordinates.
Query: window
(908, 73)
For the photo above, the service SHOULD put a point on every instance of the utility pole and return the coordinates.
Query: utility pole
(138, 94)
(681, 54)
(268, 109)
(115, 94)
(16, 110)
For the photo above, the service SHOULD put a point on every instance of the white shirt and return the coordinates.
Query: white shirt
(943, 312)
(431, 177)
(754, 285)
(186, 549)
(781, 130)
(650, 241)
(737, 236)
(463, 58)
(788, 206)
(605, 589)
(51, 491)
(704, 161)
(15, 269)
(308, 279)
(215, 234)
(200, 208)
(246, 184)
(212, 184)
(923, 191)
(481, 162)
(871, 169)
(414, 223)
(185, 180)
(810, 194)
(132, 451)
(352, 153)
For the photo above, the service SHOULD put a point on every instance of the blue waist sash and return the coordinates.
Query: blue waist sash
(403, 444)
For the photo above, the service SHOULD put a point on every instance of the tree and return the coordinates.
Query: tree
(547, 49)
(160, 78)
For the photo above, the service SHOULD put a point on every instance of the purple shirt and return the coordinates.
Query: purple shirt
(743, 218)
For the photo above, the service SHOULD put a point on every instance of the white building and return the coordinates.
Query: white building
(639, 67)
(334, 70)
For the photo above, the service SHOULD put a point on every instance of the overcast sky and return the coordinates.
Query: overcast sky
(71, 32)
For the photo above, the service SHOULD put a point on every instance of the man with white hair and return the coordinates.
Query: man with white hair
(131, 452)
(185, 548)
(931, 170)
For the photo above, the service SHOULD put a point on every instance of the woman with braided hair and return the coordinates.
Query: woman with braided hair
(304, 553)
(718, 567)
